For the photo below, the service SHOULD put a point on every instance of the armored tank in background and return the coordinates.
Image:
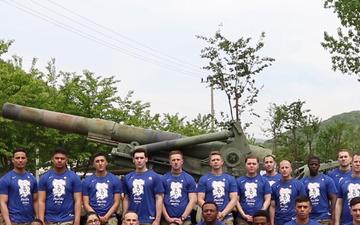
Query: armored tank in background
(231, 143)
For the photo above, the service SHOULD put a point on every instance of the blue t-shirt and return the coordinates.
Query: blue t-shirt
(217, 188)
(337, 175)
(319, 189)
(20, 189)
(141, 189)
(101, 191)
(272, 179)
(284, 193)
(218, 222)
(60, 189)
(177, 189)
(252, 191)
(311, 222)
(348, 189)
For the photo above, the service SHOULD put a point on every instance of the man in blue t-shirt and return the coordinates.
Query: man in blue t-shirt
(101, 191)
(344, 169)
(218, 187)
(60, 193)
(270, 168)
(283, 195)
(18, 192)
(143, 190)
(180, 191)
(321, 191)
(254, 191)
(349, 188)
(355, 211)
(303, 209)
(210, 214)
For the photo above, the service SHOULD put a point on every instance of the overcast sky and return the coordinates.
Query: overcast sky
(151, 47)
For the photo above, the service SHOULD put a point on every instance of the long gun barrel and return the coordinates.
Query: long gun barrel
(153, 140)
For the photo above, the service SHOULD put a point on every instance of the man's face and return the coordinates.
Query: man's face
(100, 163)
(260, 220)
(344, 159)
(210, 213)
(303, 210)
(355, 212)
(176, 162)
(19, 160)
(131, 219)
(269, 164)
(216, 162)
(59, 160)
(314, 166)
(140, 160)
(251, 166)
(285, 169)
(356, 164)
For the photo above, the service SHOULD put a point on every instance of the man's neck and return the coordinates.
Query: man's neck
(176, 172)
(314, 175)
(101, 173)
(271, 173)
(251, 174)
(344, 168)
(286, 178)
(60, 170)
(356, 223)
(19, 171)
(210, 223)
(217, 171)
(141, 170)
(355, 174)
(302, 221)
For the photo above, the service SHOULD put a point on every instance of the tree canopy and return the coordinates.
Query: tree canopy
(345, 46)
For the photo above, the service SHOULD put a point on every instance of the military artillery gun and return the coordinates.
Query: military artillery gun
(232, 143)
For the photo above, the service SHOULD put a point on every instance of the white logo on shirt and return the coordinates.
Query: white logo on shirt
(218, 188)
(24, 188)
(175, 191)
(138, 187)
(58, 187)
(101, 191)
(271, 182)
(250, 190)
(354, 191)
(284, 195)
(314, 190)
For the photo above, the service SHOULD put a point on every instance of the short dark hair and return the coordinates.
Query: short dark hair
(19, 150)
(174, 223)
(140, 150)
(176, 152)
(343, 150)
(252, 157)
(262, 213)
(272, 156)
(215, 153)
(354, 201)
(210, 203)
(301, 199)
(314, 157)
(36, 220)
(60, 150)
(97, 155)
(91, 213)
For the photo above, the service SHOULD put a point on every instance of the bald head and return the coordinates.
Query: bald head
(130, 218)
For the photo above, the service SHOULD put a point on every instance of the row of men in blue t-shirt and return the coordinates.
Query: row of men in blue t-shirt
(58, 196)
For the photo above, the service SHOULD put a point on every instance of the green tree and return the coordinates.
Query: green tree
(345, 47)
(233, 67)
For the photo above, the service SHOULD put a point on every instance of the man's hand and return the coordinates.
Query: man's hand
(103, 219)
(248, 218)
